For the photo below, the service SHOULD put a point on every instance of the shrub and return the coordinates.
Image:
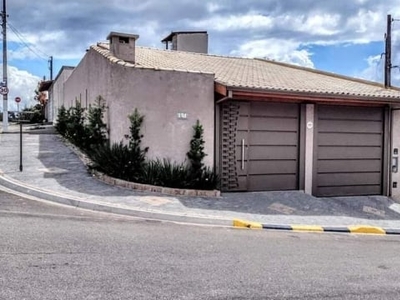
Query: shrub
(196, 153)
(34, 114)
(135, 140)
(115, 160)
(165, 173)
(76, 131)
(207, 179)
(96, 129)
(62, 120)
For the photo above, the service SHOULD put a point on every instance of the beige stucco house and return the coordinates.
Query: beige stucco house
(56, 93)
(268, 125)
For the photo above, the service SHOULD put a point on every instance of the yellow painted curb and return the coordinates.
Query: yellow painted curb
(245, 224)
(366, 229)
(307, 228)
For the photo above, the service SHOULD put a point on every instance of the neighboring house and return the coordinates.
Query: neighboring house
(268, 125)
(56, 93)
(43, 96)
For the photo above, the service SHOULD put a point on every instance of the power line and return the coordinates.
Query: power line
(22, 39)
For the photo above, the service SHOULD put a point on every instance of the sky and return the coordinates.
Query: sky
(341, 36)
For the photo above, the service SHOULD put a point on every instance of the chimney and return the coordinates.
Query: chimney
(122, 45)
(190, 41)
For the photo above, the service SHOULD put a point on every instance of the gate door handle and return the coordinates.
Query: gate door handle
(242, 154)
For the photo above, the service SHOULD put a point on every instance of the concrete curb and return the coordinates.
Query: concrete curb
(153, 188)
(355, 229)
(51, 196)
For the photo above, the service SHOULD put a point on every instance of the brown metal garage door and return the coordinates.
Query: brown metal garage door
(267, 146)
(349, 151)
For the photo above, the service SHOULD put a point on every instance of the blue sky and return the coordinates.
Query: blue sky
(341, 36)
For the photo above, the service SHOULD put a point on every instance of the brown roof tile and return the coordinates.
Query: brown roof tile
(255, 73)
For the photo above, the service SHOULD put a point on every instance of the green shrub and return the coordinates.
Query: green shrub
(115, 160)
(62, 120)
(34, 114)
(196, 153)
(165, 173)
(76, 131)
(135, 139)
(96, 129)
(207, 179)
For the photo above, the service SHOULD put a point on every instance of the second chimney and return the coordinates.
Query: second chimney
(122, 45)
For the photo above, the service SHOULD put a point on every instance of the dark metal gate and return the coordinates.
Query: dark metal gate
(259, 146)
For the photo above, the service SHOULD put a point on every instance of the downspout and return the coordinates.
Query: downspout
(225, 98)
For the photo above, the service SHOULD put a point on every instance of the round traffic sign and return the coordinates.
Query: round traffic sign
(3, 90)
(17, 99)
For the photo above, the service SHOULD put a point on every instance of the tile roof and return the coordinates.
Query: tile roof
(253, 73)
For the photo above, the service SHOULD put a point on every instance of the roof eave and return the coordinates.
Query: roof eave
(297, 96)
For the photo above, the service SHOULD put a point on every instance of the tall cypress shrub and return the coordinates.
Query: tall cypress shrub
(196, 153)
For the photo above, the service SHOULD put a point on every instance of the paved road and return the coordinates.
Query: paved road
(53, 252)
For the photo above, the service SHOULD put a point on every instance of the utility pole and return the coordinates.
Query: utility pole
(388, 52)
(4, 88)
(51, 67)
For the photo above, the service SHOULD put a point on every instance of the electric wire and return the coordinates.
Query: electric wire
(22, 39)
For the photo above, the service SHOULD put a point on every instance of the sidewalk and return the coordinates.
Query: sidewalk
(52, 171)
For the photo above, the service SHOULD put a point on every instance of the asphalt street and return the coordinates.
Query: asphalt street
(53, 252)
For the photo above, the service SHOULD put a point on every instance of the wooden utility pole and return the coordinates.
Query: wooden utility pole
(51, 67)
(388, 52)
(4, 87)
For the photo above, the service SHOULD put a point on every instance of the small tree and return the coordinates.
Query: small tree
(196, 153)
(138, 155)
(96, 129)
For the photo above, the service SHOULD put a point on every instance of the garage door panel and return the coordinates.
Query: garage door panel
(347, 165)
(242, 183)
(260, 167)
(243, 124)
(350, 191)
(270, 132)
(350, 126)
(272, 153)
(258, 138)
(349, 113)
(241, 135)
(350, 152)
(349, 179)
(272, 182)
(274, 110)
(273, 123)
(349, 139)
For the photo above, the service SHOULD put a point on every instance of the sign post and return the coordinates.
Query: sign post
(18, 100)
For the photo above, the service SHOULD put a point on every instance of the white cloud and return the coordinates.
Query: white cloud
(22, 84)
(374, 71)
(236, 22)
(275, 49)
